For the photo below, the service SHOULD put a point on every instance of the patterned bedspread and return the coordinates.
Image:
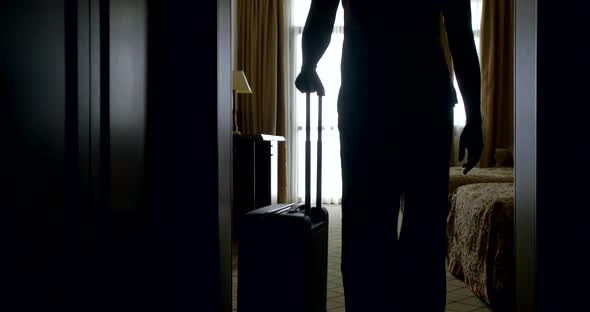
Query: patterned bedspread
(478, 175)
(481, 239)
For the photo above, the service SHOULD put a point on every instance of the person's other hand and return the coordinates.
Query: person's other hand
(471, 140)
(309, 81)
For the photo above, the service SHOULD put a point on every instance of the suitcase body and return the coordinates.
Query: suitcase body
(283, 250)
(283, 260)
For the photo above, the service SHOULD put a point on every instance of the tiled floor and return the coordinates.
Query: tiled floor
(459, 297)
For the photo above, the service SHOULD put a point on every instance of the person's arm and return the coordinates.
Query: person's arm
(457, 20)
(317, 32)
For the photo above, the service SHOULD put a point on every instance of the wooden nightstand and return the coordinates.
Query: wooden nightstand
(255, 173)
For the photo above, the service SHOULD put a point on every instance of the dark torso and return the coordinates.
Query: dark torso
(395, 46)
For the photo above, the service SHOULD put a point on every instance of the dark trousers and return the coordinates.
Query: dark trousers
(387, 155)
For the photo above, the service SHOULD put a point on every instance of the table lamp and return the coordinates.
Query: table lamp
(239, 85)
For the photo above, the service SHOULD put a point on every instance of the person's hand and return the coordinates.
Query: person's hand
(309, 81)
(471, 140)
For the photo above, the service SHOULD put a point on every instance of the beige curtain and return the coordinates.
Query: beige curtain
(497, 35)
(261, 50)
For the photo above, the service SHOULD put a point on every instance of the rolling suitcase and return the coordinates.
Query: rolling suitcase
(283, 249)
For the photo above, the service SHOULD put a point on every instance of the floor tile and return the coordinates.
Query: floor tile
(334, 304)
(473, 301)
(459, 307)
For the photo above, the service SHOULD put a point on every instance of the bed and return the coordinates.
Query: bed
(480, 239)
(479, 175)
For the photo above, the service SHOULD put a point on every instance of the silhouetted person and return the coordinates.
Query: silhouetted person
(395, 117)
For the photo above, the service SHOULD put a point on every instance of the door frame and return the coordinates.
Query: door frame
(525, 153)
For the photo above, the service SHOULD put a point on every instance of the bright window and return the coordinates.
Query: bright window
(459, 112)
(329, 71)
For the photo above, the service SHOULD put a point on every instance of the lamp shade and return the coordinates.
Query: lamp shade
(240, 83)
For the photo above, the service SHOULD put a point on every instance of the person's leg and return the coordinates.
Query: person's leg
(370, 204)
(423, 233)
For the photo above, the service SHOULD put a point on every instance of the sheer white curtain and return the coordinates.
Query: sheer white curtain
(329, 71)
(459, 111)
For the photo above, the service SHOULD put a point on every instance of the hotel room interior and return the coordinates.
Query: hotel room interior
(136, 133)
(267, 53)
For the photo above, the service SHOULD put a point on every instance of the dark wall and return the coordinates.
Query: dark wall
(115, 155)
(562, 206)
(33, 148)
(189, 129)
(128, 96)
(118, 266)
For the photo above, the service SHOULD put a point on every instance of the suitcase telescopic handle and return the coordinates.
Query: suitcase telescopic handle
(308, 154)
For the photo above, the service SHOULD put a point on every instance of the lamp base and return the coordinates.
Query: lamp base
(235, 113)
